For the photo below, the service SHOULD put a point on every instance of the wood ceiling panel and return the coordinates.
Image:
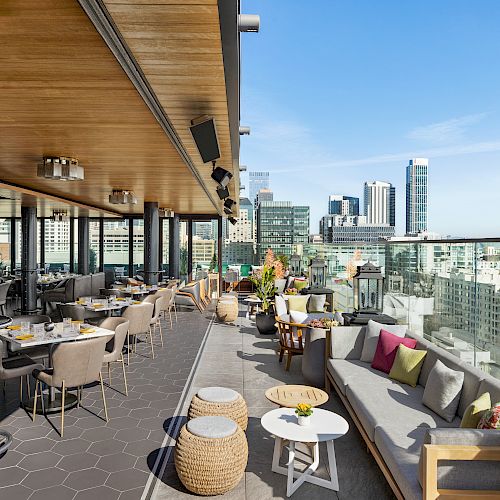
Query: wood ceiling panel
(62, 92)
(178, 47)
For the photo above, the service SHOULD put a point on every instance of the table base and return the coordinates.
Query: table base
(306, 476)
(52, 405)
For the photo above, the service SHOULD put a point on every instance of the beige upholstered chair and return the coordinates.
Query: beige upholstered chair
(158, 302)
(114, 348)
(139, 316)
(168, 304)
(74, 364)
(172, 299)
(74, 311)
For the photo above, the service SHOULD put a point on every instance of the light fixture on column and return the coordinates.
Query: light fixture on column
(244, 130)
(249, 23)
(60, 168)
(122, 197)
(221, 176)
(228, 206)
(223, 192)
(60, 216)
(167, 213)
(232, 220)
(243, 168)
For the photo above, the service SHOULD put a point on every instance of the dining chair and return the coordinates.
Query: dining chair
(74, 365)
(172, 304)
(4, 289)
(74, 311)
(114, 348)
(139, 316)
(160, 303)
(290, 340)
(16, 367)
(168, 304)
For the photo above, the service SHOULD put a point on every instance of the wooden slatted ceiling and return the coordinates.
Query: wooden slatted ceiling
(177, 44)
(62, 92)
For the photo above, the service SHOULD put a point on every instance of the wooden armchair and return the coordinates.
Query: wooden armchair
(291, 343)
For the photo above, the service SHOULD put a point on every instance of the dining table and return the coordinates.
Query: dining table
(104, 305)
(61, 332)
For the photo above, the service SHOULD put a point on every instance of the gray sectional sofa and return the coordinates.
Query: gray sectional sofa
(395, 424)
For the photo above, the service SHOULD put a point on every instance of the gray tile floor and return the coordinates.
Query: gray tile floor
(237, 357)
(96, 460)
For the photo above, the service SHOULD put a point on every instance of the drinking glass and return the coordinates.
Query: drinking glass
(112, 298)
(67, 323)
(25, 326)
(38, 330)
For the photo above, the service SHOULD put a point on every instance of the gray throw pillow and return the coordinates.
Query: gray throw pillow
(442, 391)
(316, 303)
(371, 337)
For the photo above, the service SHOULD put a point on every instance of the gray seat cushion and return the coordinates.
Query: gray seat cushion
(213, 427)
(217, 395)
(345, 370)
(380, 404)
(400, 450)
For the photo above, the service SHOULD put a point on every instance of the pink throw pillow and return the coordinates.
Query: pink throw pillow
(387, 348)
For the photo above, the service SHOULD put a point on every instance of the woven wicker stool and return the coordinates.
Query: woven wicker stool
(211, 455)
(227, 310)
(219, 401)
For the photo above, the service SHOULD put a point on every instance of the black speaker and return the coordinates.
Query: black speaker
(205, 135)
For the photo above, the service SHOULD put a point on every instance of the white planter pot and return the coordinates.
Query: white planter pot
(304, 421)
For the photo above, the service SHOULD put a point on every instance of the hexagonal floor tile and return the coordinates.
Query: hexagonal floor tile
(99, 493)
(86, 478)
(78, 461)
(12, 475)
(70, 446)
(127, 479)
(116, 462)
(60, 492)
(106, 447)
(100, 434)
(131, 435)
(36, 445)
(45, 478)
(38, 461)
(17, 492)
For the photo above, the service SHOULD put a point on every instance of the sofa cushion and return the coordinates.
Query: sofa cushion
(475, 411)
(472, 376)
(280, 305)
(492, 386)
(347, 342)
(490, 419)
(407, 365)
(464, 474)
(400, 450)
(298, 317)
(316, 303)
(442, 392)
(298, 303)
(343, 371)
(387, 347)
(383, 404)
(371, 337)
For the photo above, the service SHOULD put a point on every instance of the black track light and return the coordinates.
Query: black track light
(228, 206)
(221, 176)
(232, 220)
(223, 192)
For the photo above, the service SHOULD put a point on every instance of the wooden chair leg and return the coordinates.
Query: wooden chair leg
(282, 352)
(124, 376)
(288, 360)
(103, 397)
(175, 311)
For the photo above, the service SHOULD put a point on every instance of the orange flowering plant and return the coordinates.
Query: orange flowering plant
(303, 410)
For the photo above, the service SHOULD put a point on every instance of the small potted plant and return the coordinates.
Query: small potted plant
(291, 291)
(304, 412)
(263, 282)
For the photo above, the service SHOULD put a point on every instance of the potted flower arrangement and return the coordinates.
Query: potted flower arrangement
(291, 291)
(304, 412)
(314, 350)
(265, 289)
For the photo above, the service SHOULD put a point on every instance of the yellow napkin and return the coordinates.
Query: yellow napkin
(87, 330)
(77, 321)
(24, 337)
(14, 327)
(97, 305)
(80, 302)
(121, 299)
(136, 302)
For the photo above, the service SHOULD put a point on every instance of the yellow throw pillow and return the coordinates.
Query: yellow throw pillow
(407, 365)
(475, 411)
(298, 303)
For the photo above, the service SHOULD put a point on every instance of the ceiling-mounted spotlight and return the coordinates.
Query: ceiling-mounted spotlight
(221, 176)
(232, 220)
(228, 206)
(223, 192)
(166, 212)
(249, 23)
(122, 197)
(205, 135)
(60, 168)
(242, 188)
(60, 216)
(243, 168)
(244, 130)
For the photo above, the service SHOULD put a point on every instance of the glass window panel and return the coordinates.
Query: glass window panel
(5, 258)
(165, 246)
(116, 239)
(204, 248)
(183, 255)
(94, 236)
(57, 253)
(138, 245)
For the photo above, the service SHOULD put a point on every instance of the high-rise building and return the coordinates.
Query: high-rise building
(239, 238)
(280, 224)
(416, 195)
(346, 228)
(343, 205)
(380, 203)
(263, 195)
(257, 181)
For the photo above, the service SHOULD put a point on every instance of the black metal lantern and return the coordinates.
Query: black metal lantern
(368, 288)
(317, 273)
(295, 265)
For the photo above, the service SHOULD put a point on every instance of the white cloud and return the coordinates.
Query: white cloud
(445, 132)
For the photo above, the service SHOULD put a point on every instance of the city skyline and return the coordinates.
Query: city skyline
(375, 106)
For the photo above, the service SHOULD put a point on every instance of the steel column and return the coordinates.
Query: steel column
(28, 260)
(174, 247)
(83, 245)
(151, 237)
(72, 245)
(219, 251)
(190, 249)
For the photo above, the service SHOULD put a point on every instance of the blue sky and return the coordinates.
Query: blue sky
(340, 92)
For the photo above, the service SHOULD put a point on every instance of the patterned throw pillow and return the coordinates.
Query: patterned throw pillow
(491, 419)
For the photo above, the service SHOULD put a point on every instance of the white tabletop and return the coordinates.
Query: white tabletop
(51, 337)
(115, 306)
(325, 425)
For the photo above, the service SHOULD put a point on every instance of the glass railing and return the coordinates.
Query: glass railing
(446, 290)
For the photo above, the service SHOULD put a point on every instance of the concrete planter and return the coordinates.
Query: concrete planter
(313, 359)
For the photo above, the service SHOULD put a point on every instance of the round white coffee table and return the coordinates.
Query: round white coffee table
(325, 426)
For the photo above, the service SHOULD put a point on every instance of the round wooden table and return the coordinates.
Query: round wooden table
(289, 396)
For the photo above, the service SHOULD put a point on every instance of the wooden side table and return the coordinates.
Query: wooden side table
(289, 396)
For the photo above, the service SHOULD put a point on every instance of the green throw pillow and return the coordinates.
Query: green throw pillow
(300, 284)
(407, 365)
(298, 303)
(475, 411)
